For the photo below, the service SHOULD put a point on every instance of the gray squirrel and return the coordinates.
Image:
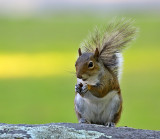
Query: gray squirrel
(98, 97)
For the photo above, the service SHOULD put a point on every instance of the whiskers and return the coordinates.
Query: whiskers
(71, 72)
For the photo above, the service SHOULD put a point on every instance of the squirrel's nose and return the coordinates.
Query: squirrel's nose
(79, 76)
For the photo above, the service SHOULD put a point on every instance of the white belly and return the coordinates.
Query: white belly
(98, 110)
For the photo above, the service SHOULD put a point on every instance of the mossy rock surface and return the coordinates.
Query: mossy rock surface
(73, 131)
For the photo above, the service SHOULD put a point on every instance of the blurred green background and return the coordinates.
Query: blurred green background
(38, 94)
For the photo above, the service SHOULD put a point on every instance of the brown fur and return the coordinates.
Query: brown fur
(82, 65)
(108, 82)
(102, 49)
(111, 40)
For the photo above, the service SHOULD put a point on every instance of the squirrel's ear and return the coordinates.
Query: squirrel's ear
(79, 52)
(96, 54)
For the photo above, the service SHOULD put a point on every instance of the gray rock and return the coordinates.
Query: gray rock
(73, 131)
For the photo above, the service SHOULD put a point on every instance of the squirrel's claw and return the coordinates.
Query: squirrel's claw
(83, 121)
(77, 88)
(81, 89)
(84, 89)
(110, 124)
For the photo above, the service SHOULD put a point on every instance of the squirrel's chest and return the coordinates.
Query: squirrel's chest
(95, 109)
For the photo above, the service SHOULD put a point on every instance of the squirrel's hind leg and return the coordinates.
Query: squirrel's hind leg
(81, 119)
(110, 124)
(114, 110)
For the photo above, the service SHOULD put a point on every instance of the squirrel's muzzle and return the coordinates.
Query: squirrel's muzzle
(79, 76)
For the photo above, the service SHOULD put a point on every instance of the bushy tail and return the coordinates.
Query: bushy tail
(111, 41)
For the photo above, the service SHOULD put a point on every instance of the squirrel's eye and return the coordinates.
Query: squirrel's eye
(90, 65)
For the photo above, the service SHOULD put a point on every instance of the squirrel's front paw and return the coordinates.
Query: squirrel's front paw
(78, 88)
(81, 89)
(84, 89)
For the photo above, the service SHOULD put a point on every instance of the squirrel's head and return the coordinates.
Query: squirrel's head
(87, 65)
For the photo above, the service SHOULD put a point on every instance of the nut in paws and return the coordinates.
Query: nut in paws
(81, 89)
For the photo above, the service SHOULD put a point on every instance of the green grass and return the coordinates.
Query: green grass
(48, 100)
(141, 100)
(37, 100)
(66, 33)
(51, 99)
